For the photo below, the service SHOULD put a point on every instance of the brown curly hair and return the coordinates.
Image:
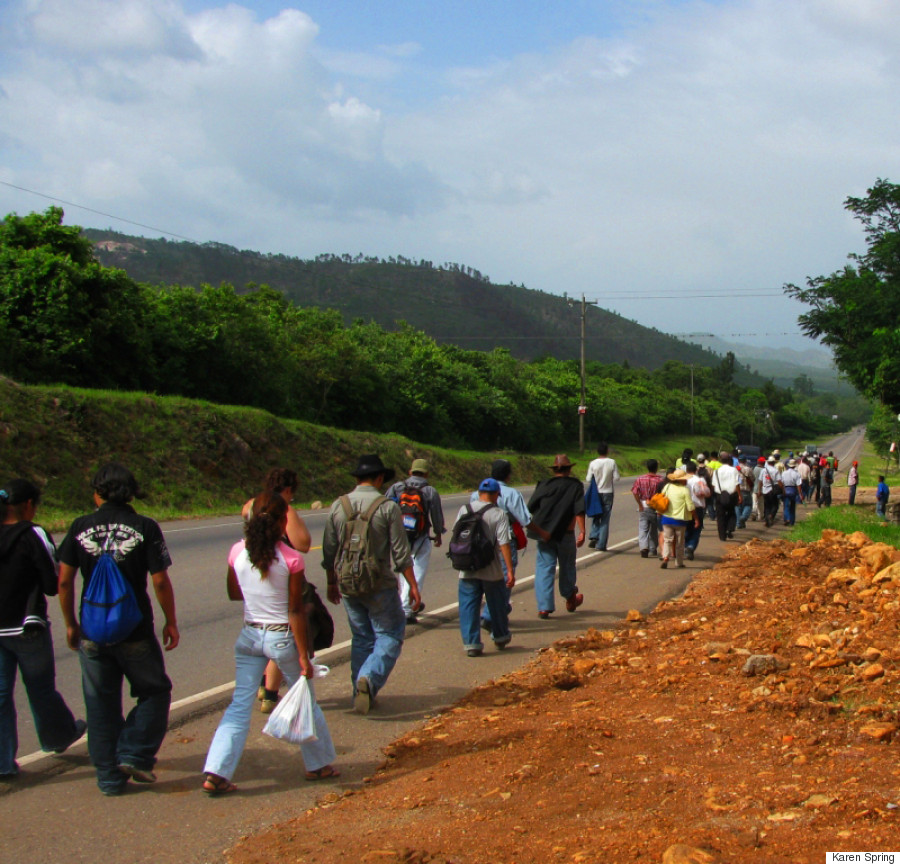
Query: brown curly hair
(264, 529)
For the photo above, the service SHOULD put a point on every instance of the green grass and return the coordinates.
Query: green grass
(847, 519)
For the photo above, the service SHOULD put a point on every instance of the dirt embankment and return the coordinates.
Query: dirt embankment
(752, 719)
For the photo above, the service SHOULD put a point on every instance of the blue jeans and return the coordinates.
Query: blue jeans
(692, 534)
(548, 554)
(32, 652)
(507, 592)
(112, 738)
(743, 511)
(470, 593)
(252, 651)
(377, 627)
(790, 504)
(600, 524)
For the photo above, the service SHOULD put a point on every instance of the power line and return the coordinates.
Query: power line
(556, 338)
(98, 212)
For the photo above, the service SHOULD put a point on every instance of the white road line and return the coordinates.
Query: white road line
(340, 646)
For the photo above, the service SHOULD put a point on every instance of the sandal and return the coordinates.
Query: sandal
(216, 785)
(324, 773)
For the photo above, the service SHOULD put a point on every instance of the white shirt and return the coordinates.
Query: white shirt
(605, 472)
(771, 477)
(266, 600)
(726, 479)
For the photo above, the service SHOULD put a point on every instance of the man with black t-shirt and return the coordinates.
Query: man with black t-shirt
(121, 748)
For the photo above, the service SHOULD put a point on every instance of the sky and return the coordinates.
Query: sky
(677, 162)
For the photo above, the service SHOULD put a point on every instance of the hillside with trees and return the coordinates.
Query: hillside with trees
(451, 303)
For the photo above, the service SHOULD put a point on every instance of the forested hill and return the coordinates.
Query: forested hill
(449, 302)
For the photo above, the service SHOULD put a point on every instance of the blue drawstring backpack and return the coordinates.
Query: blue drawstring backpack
(593, 504)
(109, 609)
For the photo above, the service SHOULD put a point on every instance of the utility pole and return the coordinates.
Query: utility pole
(582, 405)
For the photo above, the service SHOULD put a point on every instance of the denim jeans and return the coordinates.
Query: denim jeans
(471, 592)
(377, 627)
(600, 524)
(252, 651)
(112, 738)
(743, 511)
(791, 495)
(548, 554)
(648, 530)
(421, 555)
(692, 534)
(32, 653)
(507, 592)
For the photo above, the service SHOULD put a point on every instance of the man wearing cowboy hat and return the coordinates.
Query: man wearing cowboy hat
(557, 506)
(377, 622)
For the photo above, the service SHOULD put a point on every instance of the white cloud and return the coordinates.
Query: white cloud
(709, 146)
(122, 27)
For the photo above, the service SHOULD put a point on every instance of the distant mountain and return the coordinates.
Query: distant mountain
(784, 365)
(450, 302)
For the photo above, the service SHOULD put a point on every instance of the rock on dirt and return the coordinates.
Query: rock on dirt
(649, 742)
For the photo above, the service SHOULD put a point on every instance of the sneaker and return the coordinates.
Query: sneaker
(665, 563)
(486, 625)
(261, 693)
(362, 701)
(411, 618)
(80, 727)
(11, 775)
(645, 553)
(139, 775)
(473, 652)
(592, 544)
(544, 614)
(501, 645)
(689, 554)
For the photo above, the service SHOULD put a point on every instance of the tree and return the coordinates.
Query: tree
(64, 317)
(856, 311)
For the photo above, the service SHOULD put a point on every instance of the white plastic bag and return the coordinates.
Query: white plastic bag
(293, 719)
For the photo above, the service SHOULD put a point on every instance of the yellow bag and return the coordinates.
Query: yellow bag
(659, 503)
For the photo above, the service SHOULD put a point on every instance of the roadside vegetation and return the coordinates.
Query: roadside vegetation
(66, 319)
(847, 519)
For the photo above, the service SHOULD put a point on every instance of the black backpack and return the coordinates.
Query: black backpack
(471, 547)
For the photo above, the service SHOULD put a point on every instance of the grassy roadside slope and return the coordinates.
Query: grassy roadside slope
(196, 458)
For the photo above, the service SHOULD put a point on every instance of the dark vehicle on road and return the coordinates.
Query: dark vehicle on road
(749, 451)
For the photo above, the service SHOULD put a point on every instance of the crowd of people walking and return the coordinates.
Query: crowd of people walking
(376, 549)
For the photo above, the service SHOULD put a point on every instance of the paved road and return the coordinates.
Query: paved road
(172, 821)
